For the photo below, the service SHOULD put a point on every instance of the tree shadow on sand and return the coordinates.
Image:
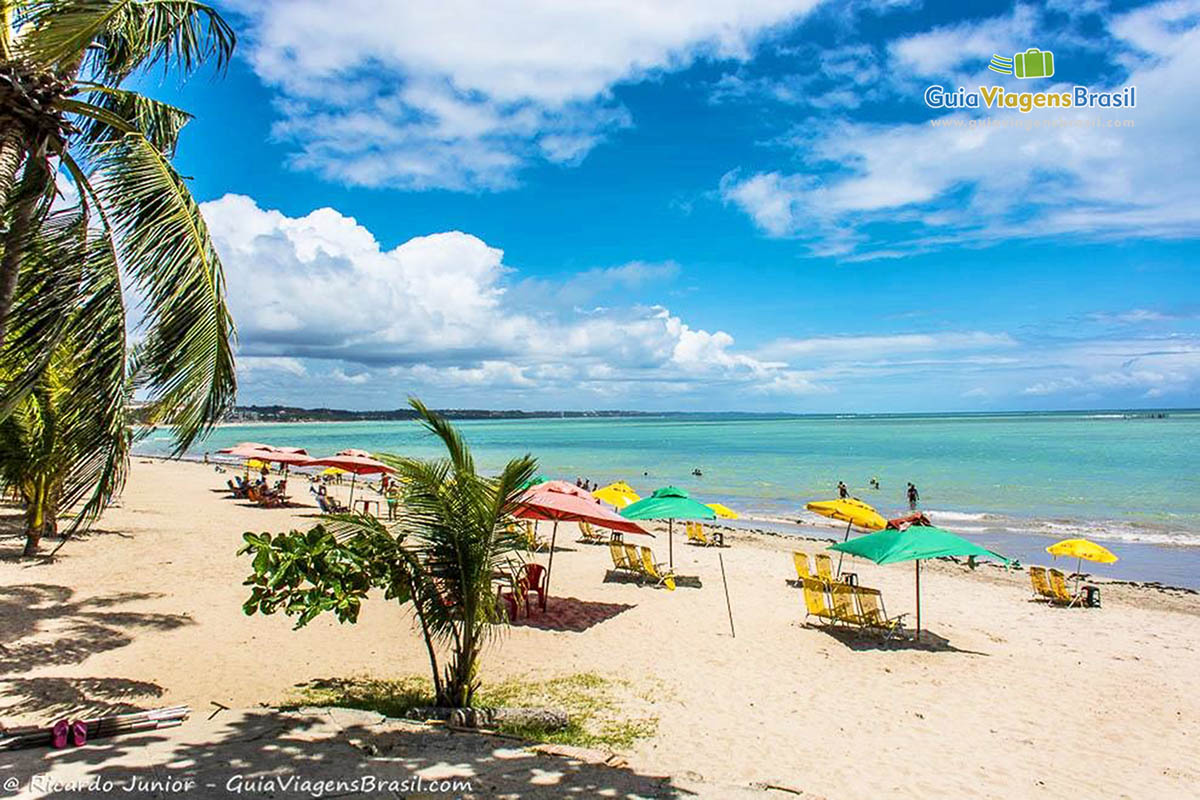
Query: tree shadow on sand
(253, 752)
(43, 625)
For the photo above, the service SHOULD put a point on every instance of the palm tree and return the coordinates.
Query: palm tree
(456, 522)
(451, 538)
(65, 273)
(63, 107)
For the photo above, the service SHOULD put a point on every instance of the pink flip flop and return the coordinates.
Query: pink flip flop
(79, 733)
(59, 732)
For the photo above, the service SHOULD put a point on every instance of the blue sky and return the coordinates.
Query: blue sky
(701, 205)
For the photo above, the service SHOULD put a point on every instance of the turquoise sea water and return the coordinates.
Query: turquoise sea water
(1010, 479)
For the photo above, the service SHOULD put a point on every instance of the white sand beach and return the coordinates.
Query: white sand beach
(1020, 700)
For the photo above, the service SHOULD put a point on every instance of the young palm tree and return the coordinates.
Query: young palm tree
(63, 107)
(455, 521)
(452, 536)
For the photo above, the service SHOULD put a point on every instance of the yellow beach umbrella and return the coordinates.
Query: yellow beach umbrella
(254, 463)
(723, 511)
(333, 471)
(853, 512)
(619, 494)
(850, 510)
(1082, 549)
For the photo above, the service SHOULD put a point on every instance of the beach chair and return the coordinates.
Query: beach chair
(655, 571)
(533, 542)
(634, 559)
(1041, 586)
(702, 538)
(801, 562)
(619, 558)
(534, 576)
(824, 567)
(873, 615)
(815, 603)
(1058, 585)
(844, 607)
(690, 528)
(589, 534)
(516, 600)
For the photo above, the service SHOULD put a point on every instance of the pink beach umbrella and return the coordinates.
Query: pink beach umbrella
(244, 446)
(353, 451)
(354, 464)
(560, 501)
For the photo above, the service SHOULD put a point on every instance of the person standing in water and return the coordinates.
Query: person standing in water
(913, 497)
(843, 492)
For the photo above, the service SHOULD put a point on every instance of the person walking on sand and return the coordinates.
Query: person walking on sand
(913, 497)
(843, 492)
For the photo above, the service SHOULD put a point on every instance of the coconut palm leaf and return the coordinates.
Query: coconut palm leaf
(164, 243)
(107, 114)
(114, 38)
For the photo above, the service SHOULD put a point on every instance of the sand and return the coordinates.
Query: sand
(1019, 699)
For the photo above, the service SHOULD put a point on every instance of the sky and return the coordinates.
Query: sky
(701, 205)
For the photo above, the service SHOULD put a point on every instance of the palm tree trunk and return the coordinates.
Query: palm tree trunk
(433, 665)
(35, 518)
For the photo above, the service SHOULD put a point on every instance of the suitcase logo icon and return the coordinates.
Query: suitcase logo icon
(1033, 63)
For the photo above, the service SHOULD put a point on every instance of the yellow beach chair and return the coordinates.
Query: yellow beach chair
(589, 534)
(801, 562)
(824, 567)
(619, 559)
(844, 607)
(815, 604)
(1041, 586)
(1058, 584)
(655, 571)
(690, 528)
(874, 618)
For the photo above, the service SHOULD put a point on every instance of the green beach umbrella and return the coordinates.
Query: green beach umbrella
(534, 481)
(669, 503)
(915, 543)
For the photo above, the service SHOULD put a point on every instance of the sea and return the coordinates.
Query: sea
(1013, 482)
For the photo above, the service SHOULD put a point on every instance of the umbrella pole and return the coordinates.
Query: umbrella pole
(671, 543)
(352, 481)
(550, 563)
(918, 563)
(845, 538)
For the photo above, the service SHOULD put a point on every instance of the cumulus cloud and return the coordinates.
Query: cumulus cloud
(462, 95)
(317, 298)
(963, 182)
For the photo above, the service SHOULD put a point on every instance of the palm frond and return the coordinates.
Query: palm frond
(108, 114)
(114, 38)
(165, 245)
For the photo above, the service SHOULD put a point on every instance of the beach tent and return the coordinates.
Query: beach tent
(560, 501)
(853, 512)
(355, 465)
(723, 511)
(619, 494)
(1081, 549)
(669, 503)
(916, 543)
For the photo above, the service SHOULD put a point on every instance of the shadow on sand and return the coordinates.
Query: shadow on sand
(255, 752)
(570, 614)
(43, 625)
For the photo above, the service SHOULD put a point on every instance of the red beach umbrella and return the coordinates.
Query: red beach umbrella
(353, 451)
(356, 465)
(565, 502)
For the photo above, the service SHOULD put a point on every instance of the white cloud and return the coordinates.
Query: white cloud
(437, 311)
(461, 95)
(964, 182)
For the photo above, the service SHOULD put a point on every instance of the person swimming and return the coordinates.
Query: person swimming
(843, 492)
